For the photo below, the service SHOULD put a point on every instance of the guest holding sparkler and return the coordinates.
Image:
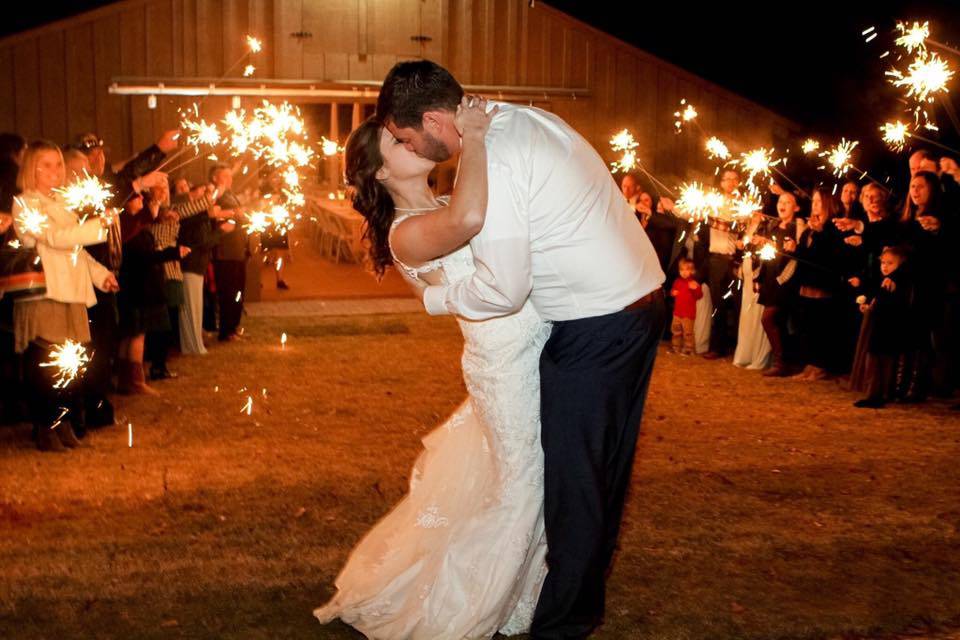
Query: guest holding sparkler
(142, 300)
(819, 275)
(124, 179)
(230, 258)
(720, 265)
(777, 289)
(42, 221)
(201, 235)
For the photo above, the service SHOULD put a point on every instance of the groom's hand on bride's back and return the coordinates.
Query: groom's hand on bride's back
(472, 115)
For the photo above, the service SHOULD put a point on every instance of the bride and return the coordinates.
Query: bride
(463, 553)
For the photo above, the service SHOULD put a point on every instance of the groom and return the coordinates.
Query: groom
(558, 232)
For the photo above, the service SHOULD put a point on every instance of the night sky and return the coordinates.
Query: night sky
(804, 59)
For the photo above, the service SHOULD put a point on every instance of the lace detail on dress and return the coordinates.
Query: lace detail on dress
(414, 273)
(471, 528)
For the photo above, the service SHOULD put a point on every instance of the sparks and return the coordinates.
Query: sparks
(248, 406)
(30, 220)
(926, 77)
(130, 435)
(624, 142)
(914, 37)
(686, 113)
(745, 206)
(767, 252)
(283, 340)
(698, 202)
(254, 44)
(840, 156)
(895, 134)
(330, 147)
(810, 145)
(716, 149)
(70, 359)
(88, 195)
(249, 70)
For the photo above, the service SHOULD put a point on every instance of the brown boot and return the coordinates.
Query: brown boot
(47, 440)
(139, 381)
(67, 437)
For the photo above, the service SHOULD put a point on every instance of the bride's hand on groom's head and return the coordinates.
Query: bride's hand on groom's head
(472, 116)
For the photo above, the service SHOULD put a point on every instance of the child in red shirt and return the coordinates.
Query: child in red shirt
(685, 293)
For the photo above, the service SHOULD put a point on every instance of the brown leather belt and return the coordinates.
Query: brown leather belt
(645, 301)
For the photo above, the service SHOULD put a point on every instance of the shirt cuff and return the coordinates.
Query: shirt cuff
(433, 300)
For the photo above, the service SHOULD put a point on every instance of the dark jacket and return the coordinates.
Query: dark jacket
(121, 185)
(200, 234)
(892, 316)
(233, 245)
(821, 260)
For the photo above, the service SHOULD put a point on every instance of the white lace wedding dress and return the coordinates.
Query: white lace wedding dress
(463, 554)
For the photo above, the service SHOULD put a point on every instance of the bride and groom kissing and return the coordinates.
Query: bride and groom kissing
(514, 506)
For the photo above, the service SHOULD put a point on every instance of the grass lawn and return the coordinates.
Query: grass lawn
(760, 509)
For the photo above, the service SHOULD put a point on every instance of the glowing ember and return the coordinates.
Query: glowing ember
(70, 360)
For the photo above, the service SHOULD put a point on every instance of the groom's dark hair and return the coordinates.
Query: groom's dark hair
(413, 88)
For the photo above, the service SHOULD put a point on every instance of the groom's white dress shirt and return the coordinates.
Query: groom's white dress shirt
(557, 230)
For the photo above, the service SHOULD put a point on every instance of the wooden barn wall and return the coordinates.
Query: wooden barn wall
(55, 78)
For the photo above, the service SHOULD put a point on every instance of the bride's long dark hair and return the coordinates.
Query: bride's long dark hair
(373, 201)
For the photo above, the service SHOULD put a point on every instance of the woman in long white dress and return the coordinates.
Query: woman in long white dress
(753, 348)
(463, 554)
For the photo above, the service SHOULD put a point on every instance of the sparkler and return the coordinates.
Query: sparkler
(810, 146)
(895, 134)
(88, 195)
(30, 220)
(767, 252)
(199, 132)
(686, 113)
(330, 147)
(914, 37)
(249, 70)
(926, 77)
(840, 156)
(624, 142)
(70, 359)
(717, 149)
(698, 202)
(254, 44)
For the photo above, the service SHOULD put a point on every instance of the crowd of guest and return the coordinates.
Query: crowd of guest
(161, 271)
(853, 283)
